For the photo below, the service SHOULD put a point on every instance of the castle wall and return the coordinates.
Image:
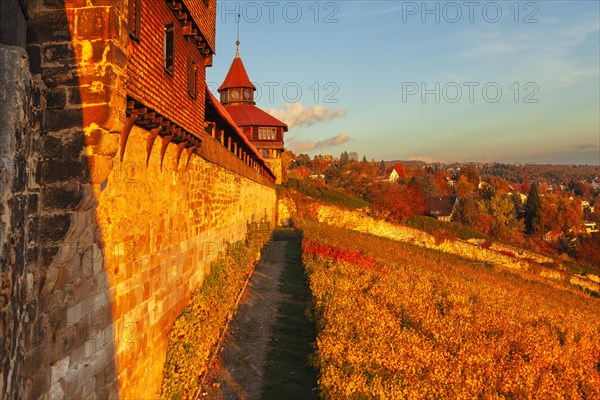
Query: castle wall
(99, 255)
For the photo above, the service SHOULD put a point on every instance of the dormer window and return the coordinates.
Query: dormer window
(267, 133)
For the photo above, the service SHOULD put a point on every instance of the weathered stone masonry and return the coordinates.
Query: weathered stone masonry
(100, 254)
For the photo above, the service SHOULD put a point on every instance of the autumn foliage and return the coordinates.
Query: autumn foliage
(337, 254)
(438, 326)
(400, 203)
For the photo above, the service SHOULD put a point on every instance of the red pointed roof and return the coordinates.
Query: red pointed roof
(237, 76)
(248, 114)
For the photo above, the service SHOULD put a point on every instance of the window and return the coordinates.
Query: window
(192, 77)
(133, 19)
(169, 48)
(265, 153)
(267, 133)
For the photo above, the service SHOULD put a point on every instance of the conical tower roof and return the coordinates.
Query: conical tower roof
(237, 76)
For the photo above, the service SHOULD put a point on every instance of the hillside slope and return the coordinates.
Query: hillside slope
(399, 321)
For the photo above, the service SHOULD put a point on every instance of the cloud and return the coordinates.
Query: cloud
(297, 114)
(309, 145)
(587, 146)
(426, 159)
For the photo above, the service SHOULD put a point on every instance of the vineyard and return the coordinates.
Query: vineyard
(398, 321)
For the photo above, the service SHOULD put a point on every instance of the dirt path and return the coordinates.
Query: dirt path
(239, 373)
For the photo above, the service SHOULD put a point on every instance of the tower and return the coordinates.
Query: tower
(262, 129)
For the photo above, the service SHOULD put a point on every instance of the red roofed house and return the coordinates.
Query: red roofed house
(441, 207)
(264, 131)
(397, 172)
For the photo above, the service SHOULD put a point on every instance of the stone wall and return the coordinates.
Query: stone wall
(275, 165)
(159, 231)
(16, 200)
(99, 255)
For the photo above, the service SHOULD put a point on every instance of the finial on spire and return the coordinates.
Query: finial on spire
(237, 42)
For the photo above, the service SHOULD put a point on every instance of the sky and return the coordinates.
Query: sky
(483, 81)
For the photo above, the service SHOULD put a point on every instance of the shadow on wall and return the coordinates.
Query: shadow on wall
(108, 251)
(58, 336)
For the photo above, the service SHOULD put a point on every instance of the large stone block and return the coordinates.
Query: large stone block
(62, 170)
(48, 26)
(91, 23)
(56, 98)
(54, 228)
(56, 120)
(57, 76)
(67, 145)
(61, 197)
(58, 53)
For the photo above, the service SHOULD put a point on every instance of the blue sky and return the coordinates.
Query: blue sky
(499, 81)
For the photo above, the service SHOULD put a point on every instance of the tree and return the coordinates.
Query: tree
(561, 213)
(303, 160)
(463, 187)
(502, 212)
(533, 210)
(442, 185)
(401, 202)
(344, 157)
(427, 184)
(471, 175)
(364, 159)
(467, 212)
(381, 167)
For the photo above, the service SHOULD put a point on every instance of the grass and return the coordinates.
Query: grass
(330, 195)
(432, 225)
(288, 372)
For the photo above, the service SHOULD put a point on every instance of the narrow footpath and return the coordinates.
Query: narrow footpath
(265, 352)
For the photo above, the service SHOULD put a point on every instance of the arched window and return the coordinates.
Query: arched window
(265, 153)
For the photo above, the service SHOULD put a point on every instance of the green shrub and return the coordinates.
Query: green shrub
(312, 189)
(432, 225)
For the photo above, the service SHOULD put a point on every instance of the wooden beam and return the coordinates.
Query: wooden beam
(188, 30)
(174, 5)
(124, 136)
(190, 152)
(150, 143)
(180, 148)
(163, 148)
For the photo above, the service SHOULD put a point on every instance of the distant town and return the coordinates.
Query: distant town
(490, 198)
